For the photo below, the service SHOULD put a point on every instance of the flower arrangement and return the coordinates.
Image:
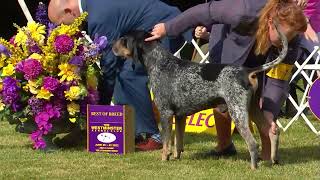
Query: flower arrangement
(48, 74)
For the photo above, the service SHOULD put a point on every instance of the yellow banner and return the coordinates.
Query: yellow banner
(202, 122)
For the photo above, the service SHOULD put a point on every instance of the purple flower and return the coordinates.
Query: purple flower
(4, 50)
(35, 49)
(59, 93)
(101, 42)
(40, 144)
(46, 128)
(36, 135)
(19, 67)
(92, 98)
(37, 105)
(51, 26)
(77, 60)
(9, 81)
(60, 104)
(50, 83)
(11, 41)
(52, 111)
(80, 50)
(31, 69)
(16, 106)
(41, 14)
(10, 92)
(42, 120)
(93, 52)
(37, 139)
(63, 44)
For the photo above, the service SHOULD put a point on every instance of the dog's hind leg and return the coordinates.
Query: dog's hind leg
(166, 124)
(180, 124)
(240, 115)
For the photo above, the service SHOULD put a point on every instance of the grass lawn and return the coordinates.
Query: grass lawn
(299, 149)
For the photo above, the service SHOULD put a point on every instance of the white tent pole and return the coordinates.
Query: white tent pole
(25, 10)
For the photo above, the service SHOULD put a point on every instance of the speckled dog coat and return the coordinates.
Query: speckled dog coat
(182, 88)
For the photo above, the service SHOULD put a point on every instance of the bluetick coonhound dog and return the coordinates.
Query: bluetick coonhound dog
(182, 88)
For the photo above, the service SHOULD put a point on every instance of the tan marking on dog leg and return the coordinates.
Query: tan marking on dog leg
(166, 137)
(179, 134)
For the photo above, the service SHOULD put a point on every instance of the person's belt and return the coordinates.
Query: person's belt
(282, 72)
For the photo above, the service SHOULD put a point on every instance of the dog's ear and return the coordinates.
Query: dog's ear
(135, 47)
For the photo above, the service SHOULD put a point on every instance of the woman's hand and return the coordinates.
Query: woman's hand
(201, 32)
(159, 31)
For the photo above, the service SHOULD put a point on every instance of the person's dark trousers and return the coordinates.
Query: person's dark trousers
(131, 88)
(290, 110)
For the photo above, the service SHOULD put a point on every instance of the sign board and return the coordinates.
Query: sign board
(110, 129)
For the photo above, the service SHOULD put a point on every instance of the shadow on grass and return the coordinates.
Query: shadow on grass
(296, 155)
(288, 155)
(191, 138)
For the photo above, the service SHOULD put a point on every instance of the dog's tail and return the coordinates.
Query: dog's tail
(253, 72)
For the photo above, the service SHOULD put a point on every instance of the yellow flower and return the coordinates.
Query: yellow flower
(21, 37)
(44, 94)
(37, 31)
(73, 93)
(73, 120)
(8, 70)
(49, 63)
(35, 56)
(2, 106)
(68, 72)
(73, 108)
(23, 119)
(32, 86)
(67, 29)
(2, 60)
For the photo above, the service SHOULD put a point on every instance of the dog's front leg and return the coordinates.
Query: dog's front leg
(166, 123)
(180, 125)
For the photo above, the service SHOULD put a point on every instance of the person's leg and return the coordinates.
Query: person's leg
(274, 94)
(107, 79)
(223, 127)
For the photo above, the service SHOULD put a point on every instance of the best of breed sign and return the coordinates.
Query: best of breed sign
(110, 129)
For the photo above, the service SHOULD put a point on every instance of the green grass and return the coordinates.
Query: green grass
(300, 159)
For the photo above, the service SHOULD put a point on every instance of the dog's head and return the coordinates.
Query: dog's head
(131, 45)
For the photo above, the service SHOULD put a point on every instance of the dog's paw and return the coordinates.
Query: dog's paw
(166, 156)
